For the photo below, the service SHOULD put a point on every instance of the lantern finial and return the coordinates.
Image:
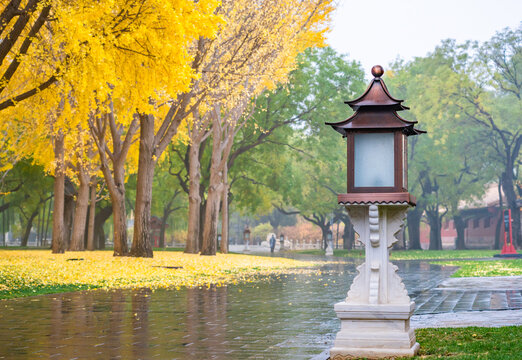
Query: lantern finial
(377, 71)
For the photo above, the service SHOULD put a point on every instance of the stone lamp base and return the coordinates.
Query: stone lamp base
(375, 316)
(374, 331)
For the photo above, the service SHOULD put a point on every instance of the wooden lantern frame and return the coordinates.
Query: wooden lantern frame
(400, 149)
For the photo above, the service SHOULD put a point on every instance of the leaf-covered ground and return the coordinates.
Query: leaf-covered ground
(31, 272)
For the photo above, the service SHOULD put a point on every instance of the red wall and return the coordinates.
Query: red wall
(478, 233)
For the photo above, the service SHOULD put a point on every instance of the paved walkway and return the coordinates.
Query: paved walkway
(472, 294)
(468, 318)
(461, 302)
(287, 317)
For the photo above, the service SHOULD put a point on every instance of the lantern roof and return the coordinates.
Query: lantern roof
(365, 119)
(376, 109)
(377, 95)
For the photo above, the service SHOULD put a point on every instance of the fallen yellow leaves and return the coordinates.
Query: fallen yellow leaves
(99, 269)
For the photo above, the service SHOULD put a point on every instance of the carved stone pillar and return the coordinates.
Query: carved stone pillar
(375, 317)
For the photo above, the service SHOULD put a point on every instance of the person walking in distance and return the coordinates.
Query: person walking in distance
(272, 243)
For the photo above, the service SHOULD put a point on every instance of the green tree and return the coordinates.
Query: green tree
(484, 86)
(168, 197)
(294, 161)
(451, 91)
(26, 188)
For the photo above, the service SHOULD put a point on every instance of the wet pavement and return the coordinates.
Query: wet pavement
(471, 294)
(286, 317)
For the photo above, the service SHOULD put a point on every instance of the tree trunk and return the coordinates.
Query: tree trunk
(511, 202)
(80, 212)
(224, 214)
(92, 215)
(119, 218)
(28, 226)
(433, 221)
(414, 219)
(3, 212)
(460, 226)
(119, 211)
(141, 243)
(167, 210)
(38, 226)
(99, 221)
(58, 243)
(99, 238)
(212, 216)
(202, 209)
(215, 189)
(324, 232)
(42, 229)
(348, 235)
(68, 215)
(192, 244)
(114, 178)
(162, 231)
(213, 199)
(48, 219)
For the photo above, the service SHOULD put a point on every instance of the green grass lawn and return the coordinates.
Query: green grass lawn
(25, 248)
(485, 267)
(337, 252)
(441, 254)
(413, 254)
(470, 343)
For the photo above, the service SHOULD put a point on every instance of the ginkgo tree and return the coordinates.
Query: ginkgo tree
(254, 51)
(20, 25)
(120, 63)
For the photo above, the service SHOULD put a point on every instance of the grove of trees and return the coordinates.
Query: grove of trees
(192, 111)
(113, 84)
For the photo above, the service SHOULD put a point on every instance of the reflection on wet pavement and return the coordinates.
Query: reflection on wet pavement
(287, 317)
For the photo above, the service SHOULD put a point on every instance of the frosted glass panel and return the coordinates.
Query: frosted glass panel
(374, 160)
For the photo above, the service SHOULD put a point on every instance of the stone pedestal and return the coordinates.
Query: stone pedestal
(375, 317)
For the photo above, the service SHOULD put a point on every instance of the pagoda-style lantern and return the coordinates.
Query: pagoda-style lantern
(375, 316)
(377, 146)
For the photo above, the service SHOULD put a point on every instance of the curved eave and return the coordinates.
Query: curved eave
(404, 120)
(363, 101)
(406, 130)
(394, 107)
(345, 123)
(387, 92)
(418, 132)
(410, 131)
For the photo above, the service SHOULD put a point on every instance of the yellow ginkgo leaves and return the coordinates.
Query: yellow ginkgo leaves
(172, 270)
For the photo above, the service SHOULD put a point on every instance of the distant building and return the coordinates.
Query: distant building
(480, 217)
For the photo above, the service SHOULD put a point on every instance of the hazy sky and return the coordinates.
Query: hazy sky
(378, 31)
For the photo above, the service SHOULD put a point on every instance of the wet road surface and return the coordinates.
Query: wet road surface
(286, 317)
